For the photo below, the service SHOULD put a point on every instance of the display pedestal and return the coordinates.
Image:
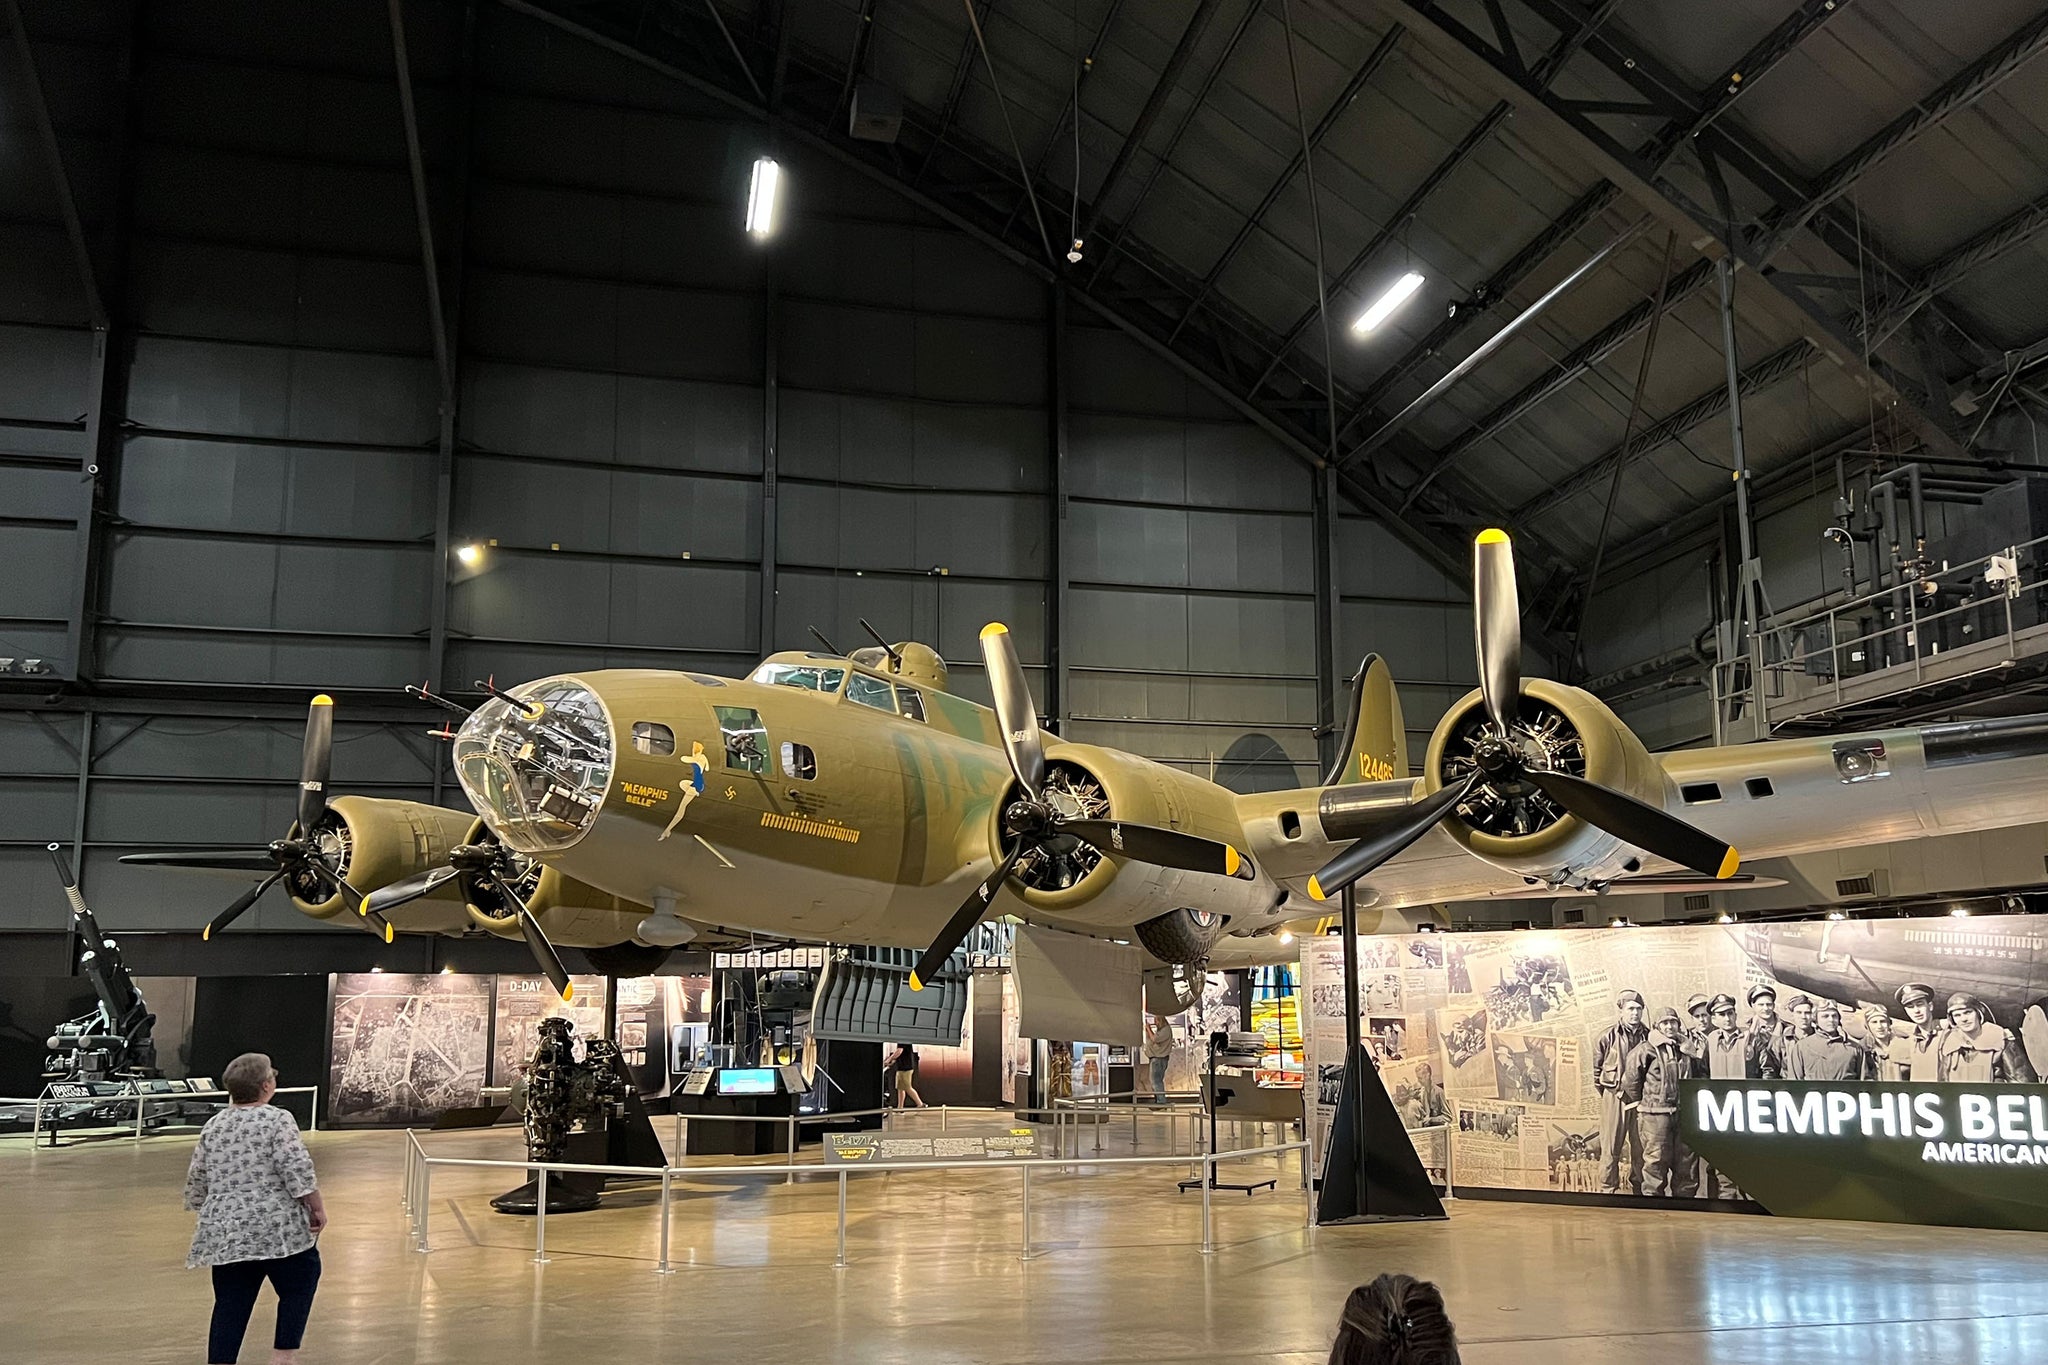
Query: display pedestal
(1372, 1174)
(704, 1135)
(627, 1139)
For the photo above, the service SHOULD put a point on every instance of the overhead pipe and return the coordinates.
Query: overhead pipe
(1372, 444)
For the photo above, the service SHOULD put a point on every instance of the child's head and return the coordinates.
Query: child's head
(1395, 1320)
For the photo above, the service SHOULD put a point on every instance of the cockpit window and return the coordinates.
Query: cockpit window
(909, 704)
(746, 739)
(811, 679)
(653, 738)
(866, 691)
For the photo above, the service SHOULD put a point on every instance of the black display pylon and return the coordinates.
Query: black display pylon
(1371, 1173)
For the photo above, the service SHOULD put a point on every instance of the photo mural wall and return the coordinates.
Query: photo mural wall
(1536, 1060)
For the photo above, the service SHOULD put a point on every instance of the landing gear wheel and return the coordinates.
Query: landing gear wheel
(1182, 935)
(627, 959)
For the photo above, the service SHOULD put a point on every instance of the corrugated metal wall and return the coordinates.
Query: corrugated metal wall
(642, 396)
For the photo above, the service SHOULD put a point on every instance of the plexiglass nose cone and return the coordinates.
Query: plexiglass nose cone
(537, 769)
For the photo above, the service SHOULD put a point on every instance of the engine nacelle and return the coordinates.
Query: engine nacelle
(573, 914)
(373, 842)
(1523, 831)
(1078, 883)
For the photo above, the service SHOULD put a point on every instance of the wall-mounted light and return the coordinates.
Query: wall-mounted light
(471, 554)
(1382, 308)
(1837, 915)
(764, 196)
(1959, 911)
(1724, 918)
(1287, 936)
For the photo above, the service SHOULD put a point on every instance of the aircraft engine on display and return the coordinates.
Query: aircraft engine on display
(1088, 882)
(1514, 824)
(371, 841)
(572, 912)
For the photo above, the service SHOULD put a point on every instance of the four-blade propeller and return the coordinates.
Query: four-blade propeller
(299, 854)
(1500, 763)
(1031, 821)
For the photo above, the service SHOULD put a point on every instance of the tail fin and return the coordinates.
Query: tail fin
(1375, 747)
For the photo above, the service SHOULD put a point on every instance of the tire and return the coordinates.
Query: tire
(627, 959)
(1182, 935)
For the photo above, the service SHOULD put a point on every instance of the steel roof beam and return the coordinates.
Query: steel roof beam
(53, 155)
(955, 92)
(1169, 79)
(1779, 365)
(1475, 61)
(1681, 286)
(1450, 557)
(1412, 205)
(1959, 92)
(1187, 119)
(1352, 90)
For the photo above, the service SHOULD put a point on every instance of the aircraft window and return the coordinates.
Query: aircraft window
(746, 740)
(799, 675)
(909, 704)
(799, 762)
(707, 679)
(651, 737)
(865, 691)
(1759, 788)
(1697, 793)
(1290, 824)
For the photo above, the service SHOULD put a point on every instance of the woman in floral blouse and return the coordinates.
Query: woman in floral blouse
(259, 1210)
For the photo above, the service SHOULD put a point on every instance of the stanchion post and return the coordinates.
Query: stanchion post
(313, 1114)
(1101, 1120)
(1024, 1216)
(426, 1202)
(540, 1219)
(1308, 1194)
(138, 1113)
(663, 1267)
(790, 1178)
(841, 1262)
(1208, 1184)
(945, 1116)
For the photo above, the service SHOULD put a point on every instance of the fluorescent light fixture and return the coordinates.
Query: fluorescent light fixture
(1383, 307)
(471, 554)
(764, 196)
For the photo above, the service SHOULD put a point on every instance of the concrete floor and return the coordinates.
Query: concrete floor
(98, 1245)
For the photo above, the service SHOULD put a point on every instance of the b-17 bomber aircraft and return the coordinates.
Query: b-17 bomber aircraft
(855, 799)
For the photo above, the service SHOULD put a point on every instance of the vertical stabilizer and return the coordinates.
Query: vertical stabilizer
(1375, 747)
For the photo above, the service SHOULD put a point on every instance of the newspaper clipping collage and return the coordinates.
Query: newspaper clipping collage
(1536, 1060)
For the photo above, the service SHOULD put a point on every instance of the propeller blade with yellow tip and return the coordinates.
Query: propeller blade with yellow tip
(1416, 820)
(1016, 712)
(315, 759)
(239, 906)
(1497, 626)
(1643, 826)
(971, 912)
(1159, 847)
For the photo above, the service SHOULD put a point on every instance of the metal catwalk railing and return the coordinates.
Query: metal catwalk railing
(1956, 623)
(416, 1191)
